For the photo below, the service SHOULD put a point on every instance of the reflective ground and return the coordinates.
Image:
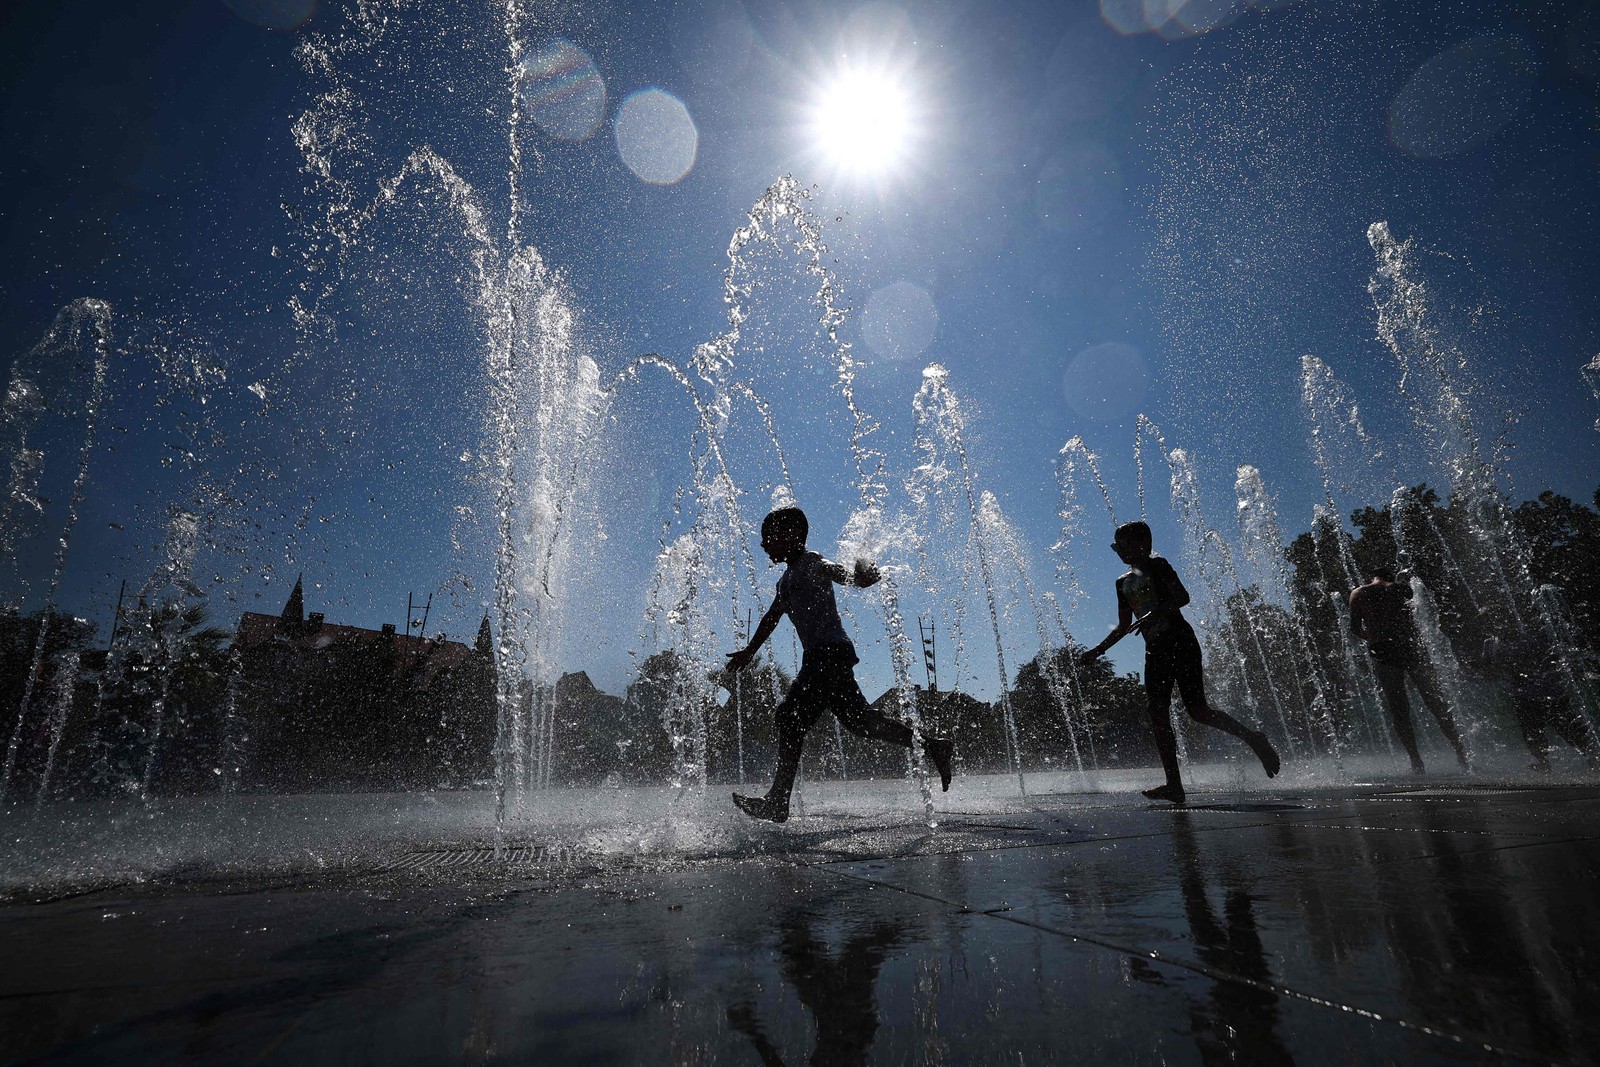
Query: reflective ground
(1359, 924)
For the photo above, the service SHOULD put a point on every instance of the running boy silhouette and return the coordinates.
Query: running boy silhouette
(826, 680)
(1150, 599)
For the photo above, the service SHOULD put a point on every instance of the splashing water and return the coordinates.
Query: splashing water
(1591, 374)
(1144, 431)
(1074, 459)
(1437, 380)
(1066, 693)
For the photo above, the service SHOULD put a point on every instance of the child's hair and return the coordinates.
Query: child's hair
(1133, 533)
(1383, 573)
(788, 521)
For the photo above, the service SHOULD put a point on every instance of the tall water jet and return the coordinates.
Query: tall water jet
(868, 532)
(22, 405)
(1065, 692)
(65, 670)
(1334, 418)
(1144, 431)
(89, 319)
(542, 391)
(234, 744)
(1591, 374)
(1068, 642)
(1212, 559)
(1261, 543)
(1074, 461)
(946, 469)
(1436, 378)
(674, 605)
(171, 589)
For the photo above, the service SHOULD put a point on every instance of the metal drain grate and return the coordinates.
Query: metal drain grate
(455, 858)
(1458, 791)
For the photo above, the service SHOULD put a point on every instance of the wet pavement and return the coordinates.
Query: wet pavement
(1364, 924)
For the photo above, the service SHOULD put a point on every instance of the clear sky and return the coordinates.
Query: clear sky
(1083, 210)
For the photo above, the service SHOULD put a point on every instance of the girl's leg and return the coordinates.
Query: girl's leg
(1191, 683)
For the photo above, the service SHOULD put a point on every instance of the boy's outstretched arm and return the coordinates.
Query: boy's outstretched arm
(1124, 627)
(864, 575)
(769, 622)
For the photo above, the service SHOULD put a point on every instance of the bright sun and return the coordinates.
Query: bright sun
(862, 121)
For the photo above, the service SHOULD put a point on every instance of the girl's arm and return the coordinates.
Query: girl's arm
(1124, 627)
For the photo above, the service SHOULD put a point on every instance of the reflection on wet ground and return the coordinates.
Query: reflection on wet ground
(1350, 925)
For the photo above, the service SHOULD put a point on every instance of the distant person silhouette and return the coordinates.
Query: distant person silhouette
(826, 679)
(1529, 671)
(1150, 599)
(1380, 614)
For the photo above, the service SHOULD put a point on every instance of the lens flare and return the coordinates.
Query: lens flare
(656, 136)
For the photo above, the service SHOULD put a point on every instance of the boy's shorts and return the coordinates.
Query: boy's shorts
(826, 681)
(1174, 659)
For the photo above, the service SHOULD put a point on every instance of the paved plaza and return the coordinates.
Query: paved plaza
(1384, 922)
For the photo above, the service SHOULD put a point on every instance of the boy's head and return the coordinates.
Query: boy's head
(783, 534)
(1132, 542)
(1383, 574)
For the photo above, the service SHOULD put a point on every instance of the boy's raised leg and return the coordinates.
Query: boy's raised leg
(939, 750)
(860, 718)
(774, 807)
(1205, 713)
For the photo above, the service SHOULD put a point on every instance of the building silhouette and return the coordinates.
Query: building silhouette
(332, 706)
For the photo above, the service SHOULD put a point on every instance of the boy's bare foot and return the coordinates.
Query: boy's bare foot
(762, 808)
(1266, 754)
(1173, 793)
(939, 750)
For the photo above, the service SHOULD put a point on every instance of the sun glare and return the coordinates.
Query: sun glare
(862, 122)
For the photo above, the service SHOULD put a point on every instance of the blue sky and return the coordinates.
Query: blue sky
(1199, 200)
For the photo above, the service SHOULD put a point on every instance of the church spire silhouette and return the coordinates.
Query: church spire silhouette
(295, 610)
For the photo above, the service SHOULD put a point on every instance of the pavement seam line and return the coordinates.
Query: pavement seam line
(1198, 968)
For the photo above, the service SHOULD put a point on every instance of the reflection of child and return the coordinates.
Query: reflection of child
(1150, 598)
(1527, 670)
(826, 679)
